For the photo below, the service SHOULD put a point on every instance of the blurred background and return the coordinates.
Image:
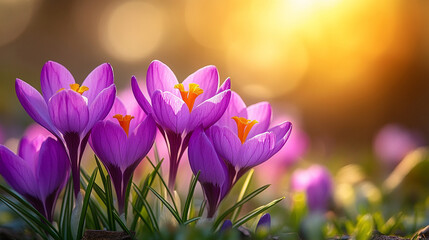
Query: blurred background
(351, 75)
(340, 70)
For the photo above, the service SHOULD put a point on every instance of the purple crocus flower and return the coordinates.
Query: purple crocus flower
(39, 171)
(121, 142)
(264, 222)
(68, 110)
(242, 136)
(213, 173)
(178, 108)
(393, 142)
(316, 183)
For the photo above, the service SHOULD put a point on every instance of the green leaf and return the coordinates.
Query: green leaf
(364, 227)
(109, 206)
(149, 211)
(127, 196)
(145, 190)
(165, 186)
(203, 205)
(168, 205)
(191, 220)
(242, 192)
(255, 212)
(86, 199)
(66, 209)
(30, 223)
(191, 190)
(40, 220)
(238, 204)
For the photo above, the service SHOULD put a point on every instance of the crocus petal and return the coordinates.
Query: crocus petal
(225, 86)
(171, 112)
(141, 99)
(203, 158)
(256, 150)
(54, 77)
(282, 133)
(209, 112)
(34, 105)
(28, 149)
(264, 222)
(17, 174)
(53, 160)
(236, 107)
(117, 108)
(108, 140)
(208, 79)
(160, 77)
(260, 112)
(140, 141)
(101, 106)
(68, 111)
(226, 143)
(100, 78)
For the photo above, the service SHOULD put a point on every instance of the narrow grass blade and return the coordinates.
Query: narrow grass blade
(203, 205)
(165, 186)
(109, 205)
(242, 192)
(168, 205)
(127, 196)
(191, 220)
(145, 190)
(238, 204)
(149, 211)
(86, 199)
(30, 223)
(39, 219)
(191, 190)
(256, 212)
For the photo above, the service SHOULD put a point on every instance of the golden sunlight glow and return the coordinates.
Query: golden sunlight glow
(281, 42)
(131, 30)
(15, 15)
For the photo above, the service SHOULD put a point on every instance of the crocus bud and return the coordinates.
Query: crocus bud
(316, 183)
(227, 224)
(264, 222)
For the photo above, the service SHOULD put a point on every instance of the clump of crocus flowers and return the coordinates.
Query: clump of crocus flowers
(223, 136)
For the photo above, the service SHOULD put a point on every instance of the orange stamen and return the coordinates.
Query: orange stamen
(189, 96)
(124, 121)
(79, 89)
(243, 127)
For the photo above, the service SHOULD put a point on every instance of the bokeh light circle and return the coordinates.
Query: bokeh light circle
(15, 16)
(131, 30)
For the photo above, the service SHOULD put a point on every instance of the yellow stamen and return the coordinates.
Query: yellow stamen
(189, 96)
(124, 121)
(243, 127)
(77, 88)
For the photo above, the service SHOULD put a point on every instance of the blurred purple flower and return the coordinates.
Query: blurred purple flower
(226, 225)
(213, 173)
(121, 142)
(68, 110)
(178, 111)
(242, 136)
(264, 222)
(393, 142)
(316, 182)
(39, 171)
